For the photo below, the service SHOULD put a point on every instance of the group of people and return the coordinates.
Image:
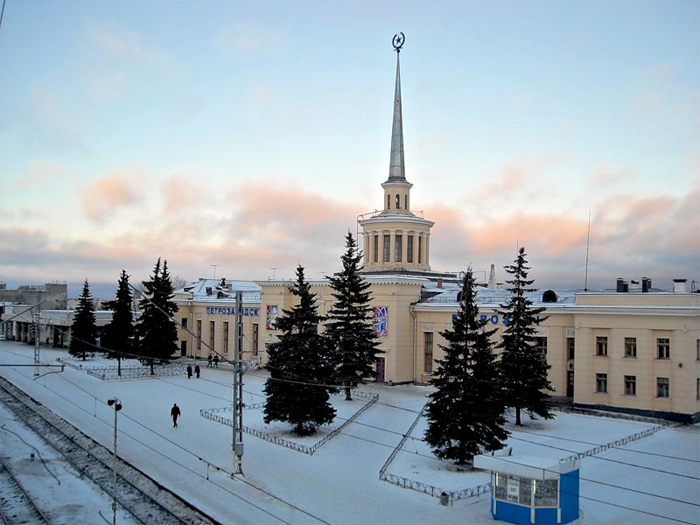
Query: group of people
(197, 371)
(213, 359)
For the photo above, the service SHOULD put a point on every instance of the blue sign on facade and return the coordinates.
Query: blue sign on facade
(222, 310)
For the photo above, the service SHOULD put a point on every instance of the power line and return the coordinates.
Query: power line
(524, 440)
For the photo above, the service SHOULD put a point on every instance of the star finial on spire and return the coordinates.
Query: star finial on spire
(398, 41)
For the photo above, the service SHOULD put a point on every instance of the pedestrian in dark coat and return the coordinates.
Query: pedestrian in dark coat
(189, 371)
(216, 361)
(196, 371)
(175, 413)
(209, 361)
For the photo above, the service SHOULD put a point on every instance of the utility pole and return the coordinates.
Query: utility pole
(36, 314)
(238, 371)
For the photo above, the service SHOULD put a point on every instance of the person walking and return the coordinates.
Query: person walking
(216, 361)
(189, 371)
(175, 413)
(209, 361)
(196, 371)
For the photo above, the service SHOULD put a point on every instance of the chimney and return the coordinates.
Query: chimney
(646, 284)
(439, 283)
(679, 285)
(622, 286)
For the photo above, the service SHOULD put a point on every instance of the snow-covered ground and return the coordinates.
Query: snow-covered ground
(655, 479)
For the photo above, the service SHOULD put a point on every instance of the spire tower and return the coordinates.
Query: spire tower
(397, 171)
(396, 239)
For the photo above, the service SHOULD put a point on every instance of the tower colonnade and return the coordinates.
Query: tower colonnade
(397, 247)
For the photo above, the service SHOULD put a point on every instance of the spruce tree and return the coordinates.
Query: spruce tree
(523, 366)
(83, 332)
(301, 371)
(350, 324)
(157, 329)
(118, 335)
(465, 413)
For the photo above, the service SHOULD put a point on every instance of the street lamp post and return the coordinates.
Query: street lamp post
(114, 402)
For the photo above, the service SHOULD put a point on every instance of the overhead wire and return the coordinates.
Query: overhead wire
(535, 443)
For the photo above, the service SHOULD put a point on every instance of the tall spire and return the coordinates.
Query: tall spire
(397, 171)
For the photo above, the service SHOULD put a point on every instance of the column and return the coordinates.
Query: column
(427, 249)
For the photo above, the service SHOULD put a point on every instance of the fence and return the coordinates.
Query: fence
(211, 413)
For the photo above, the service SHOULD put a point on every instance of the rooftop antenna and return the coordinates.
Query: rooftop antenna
(588, 242)
(214, 266)
(274, 273)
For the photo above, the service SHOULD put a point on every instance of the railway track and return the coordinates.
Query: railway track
(146, 500)
(16, 505)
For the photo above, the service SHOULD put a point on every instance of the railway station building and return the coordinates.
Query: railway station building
(633, 348)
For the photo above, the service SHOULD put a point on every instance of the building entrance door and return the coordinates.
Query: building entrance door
(380, 369)
(570, 383)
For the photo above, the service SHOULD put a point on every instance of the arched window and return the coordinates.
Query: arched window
(405, 202)
(550, 296)
(398, 201)
(388, 202)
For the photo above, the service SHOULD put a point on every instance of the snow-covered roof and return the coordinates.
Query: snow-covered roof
(218, 289)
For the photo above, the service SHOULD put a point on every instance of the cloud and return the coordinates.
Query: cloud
(40, 172)
(124, 46)
(248, 228)
(120, 188)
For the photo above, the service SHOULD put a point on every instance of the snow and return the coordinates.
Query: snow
(653, 479)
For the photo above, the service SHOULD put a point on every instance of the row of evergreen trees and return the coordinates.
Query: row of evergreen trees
(474, 387)
(307, 366)
(153, 339)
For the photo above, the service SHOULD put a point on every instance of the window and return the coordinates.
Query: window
(428, 352)
(405, 202)
(255, 339)
(387, 248)
(184, 322)
(601, 346)
(663, 348)
(520, 490)
(212, 333)
(697, 388)
(420, 249)
(570, 347)
(663, 387)
(199, 336)
(225, 337)
(376, 248)
(630, 347)
(409, 249)
(541, 347)
(697, 349)
(388, 202)
(398, 247)
(630, 385)
(601, 383)
(398, 201)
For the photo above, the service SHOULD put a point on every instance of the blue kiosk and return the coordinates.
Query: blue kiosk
(532, 490)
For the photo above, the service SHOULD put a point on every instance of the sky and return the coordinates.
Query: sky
(239, 139)
(651, 480)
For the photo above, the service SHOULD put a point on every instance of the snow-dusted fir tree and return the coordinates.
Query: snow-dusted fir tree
(157, 329)
(350, 327)
(118, 335)
(301, 369)
(465, 413)
(523, 366)
(83, 331)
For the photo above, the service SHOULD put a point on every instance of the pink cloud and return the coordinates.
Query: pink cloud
(119, 189)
